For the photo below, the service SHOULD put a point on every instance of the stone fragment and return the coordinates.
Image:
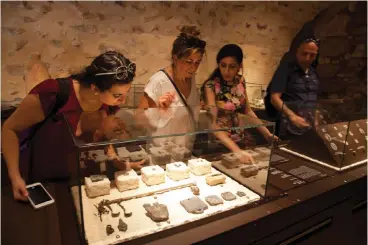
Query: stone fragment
(157, 212)
(214, 200)
(194, 205)
(122, 226)
(228, 196)
(240, 194)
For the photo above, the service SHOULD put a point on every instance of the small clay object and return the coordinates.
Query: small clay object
(126, 214)
(157, 212)
(228, 196)
(97, 177)
(109, 230)
(117, 236)
(122, 226)
(195, 190)
(214, 200)
(194, 205)
(240, 194)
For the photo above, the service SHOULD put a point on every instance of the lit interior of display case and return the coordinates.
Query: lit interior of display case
(187, 174)
(335, 138)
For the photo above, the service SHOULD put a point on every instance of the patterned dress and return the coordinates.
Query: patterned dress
(230, 101)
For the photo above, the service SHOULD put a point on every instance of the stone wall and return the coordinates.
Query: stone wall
(67, 35)
(342, 29)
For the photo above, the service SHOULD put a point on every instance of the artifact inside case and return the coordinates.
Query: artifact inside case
(334, 139)
(176, 184)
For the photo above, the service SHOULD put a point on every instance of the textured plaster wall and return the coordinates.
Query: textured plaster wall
(67, 35)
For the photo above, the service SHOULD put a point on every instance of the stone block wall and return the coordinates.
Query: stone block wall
(343, 62)
(68, 35)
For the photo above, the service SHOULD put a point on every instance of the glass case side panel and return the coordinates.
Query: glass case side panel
(256, 93)
(311, 134)
(212, 118)
(241, 154)
(76, 161)
(133, 97)
(355, 151)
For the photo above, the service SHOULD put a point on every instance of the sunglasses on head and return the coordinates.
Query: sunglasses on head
(311, 39)
(121, 73)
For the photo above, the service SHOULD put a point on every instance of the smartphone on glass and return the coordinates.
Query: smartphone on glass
(38, 196)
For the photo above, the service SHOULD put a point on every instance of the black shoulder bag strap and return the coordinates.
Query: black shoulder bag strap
(62, 97)
(181, 96)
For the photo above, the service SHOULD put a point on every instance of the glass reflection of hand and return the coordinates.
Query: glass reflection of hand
(113, 127)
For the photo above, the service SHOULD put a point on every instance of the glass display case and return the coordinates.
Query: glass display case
(136, 172)
(256, 93)
(325, 132)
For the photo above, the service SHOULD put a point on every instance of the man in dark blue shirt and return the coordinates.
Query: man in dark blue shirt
(294, 85)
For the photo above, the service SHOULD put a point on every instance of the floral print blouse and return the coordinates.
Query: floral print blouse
(230, 100)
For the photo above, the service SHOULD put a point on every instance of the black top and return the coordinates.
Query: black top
(294, 84)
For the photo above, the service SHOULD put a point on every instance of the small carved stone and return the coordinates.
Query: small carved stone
(122, 226)
(109, 230)
(157, 212)
(214, 200)
(241, 194)
(228, 196)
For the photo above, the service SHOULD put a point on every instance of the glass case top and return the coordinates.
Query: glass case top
(128, 125)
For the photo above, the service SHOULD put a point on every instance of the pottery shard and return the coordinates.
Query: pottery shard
(214, 200)
(122, 226)
(194, 205)
(228, 196)
(157, 212)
